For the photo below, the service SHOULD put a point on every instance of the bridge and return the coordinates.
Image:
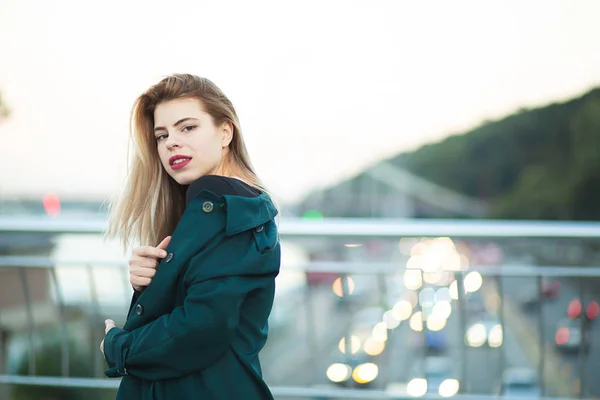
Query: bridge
(383, 309)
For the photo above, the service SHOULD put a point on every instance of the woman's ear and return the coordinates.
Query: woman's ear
(226, 133)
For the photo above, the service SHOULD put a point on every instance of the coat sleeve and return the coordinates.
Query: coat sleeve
(189, 339)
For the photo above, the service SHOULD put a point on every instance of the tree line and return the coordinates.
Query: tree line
(538, 163)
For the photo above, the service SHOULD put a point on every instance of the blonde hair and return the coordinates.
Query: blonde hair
(152, 202)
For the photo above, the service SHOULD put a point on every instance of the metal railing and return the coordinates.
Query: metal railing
(351, 227)
(309, 229)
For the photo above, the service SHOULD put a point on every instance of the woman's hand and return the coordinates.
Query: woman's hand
(143, 263)
(109, 325)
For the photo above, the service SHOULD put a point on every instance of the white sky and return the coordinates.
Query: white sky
(323, 88)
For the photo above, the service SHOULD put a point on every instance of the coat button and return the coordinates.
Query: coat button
(139, 309)
(169, 257)
(207, 206)
(259, 228)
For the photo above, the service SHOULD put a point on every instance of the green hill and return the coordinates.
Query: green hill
(542, 163)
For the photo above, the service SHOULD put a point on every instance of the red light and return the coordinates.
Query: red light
(562, 336)
(51, 204)
(574, 309)
(592, 310)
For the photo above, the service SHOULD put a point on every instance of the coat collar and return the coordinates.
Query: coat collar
(245, 209)
(245, 213)
(241, 212)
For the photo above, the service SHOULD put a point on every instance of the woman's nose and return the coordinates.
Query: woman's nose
(171, 143)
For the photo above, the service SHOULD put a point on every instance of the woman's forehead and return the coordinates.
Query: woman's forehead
(169, 112)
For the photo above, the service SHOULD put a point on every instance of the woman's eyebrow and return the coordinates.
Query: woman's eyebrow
(181, 121)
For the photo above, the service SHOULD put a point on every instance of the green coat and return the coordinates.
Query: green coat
(195, 332)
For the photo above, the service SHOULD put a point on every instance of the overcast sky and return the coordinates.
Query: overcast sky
(323, 88)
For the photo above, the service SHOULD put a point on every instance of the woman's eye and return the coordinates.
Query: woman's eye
(188, 128)
(160, 137)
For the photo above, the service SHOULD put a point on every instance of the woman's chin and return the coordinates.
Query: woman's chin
(184, 179)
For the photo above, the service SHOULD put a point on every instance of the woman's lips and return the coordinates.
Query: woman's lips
(180, 163)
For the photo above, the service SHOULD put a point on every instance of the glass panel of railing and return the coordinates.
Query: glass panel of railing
(449, 314)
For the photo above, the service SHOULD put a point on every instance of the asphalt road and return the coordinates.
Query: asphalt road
(286, 361)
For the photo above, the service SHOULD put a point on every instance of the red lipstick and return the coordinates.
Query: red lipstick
(179, 161)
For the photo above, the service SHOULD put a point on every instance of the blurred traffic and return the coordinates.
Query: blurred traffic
(410, 317)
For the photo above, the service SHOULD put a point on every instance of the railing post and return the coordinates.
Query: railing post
(310, 325)
(65, 354)
(383, 289)
(542, 366)
(583, 342)
(26, 294)
(423, 332)
(460, 289)
(501, 361)
(95, 329)
(345, 294)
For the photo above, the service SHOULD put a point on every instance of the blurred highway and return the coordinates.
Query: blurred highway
(404, 358)
(392, 347)
(286, 360)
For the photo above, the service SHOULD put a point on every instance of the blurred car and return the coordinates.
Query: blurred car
(367, 334)
(438, 379)
(475, 305)
(520, 383)
(436, 341)
(485, 331)
(577, 310)
(531, 296)
(353, 371)
(355, 363)
(438, 373)
(550, 289)
(569, 336)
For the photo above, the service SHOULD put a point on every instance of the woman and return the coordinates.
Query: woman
(198, 319)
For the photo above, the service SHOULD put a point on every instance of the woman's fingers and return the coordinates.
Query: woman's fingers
(144, 271)
(109, 325)
(149, 251)
(139, 281)
(165, 242)
(144, 261)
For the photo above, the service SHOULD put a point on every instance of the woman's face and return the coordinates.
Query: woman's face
(188, 142)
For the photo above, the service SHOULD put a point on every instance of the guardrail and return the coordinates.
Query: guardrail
(328, 228)
(351, 227)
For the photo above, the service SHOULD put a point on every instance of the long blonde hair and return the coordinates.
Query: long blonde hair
(152, 202)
